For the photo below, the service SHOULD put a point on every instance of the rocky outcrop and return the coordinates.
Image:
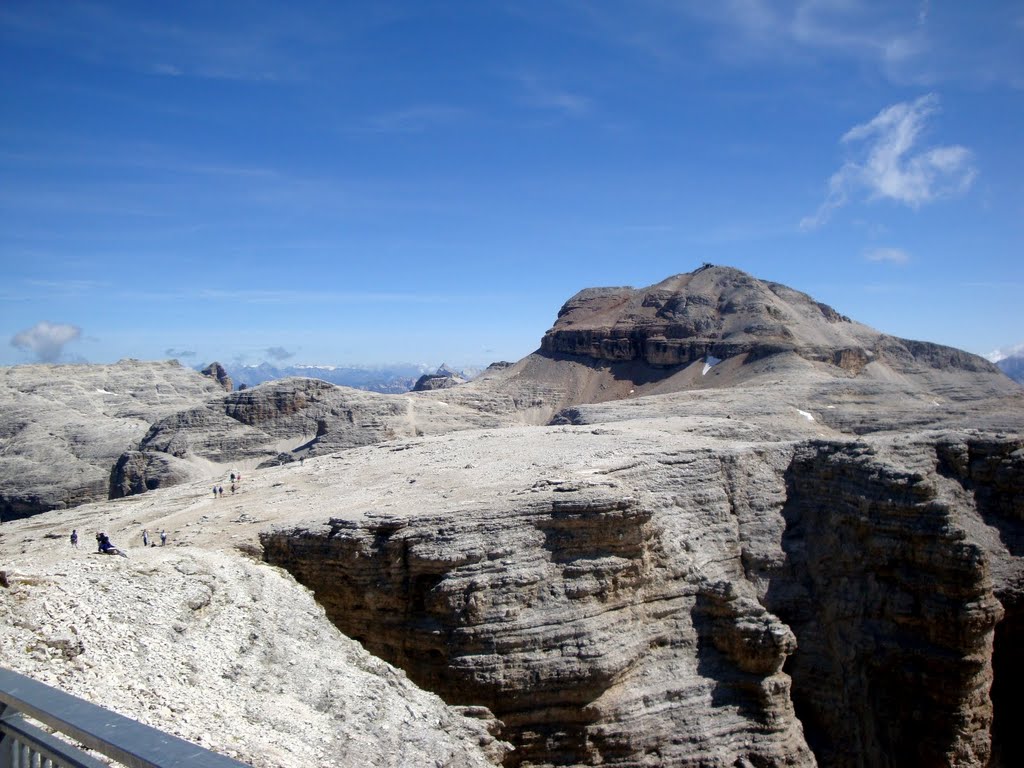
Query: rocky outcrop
(141, 471)
(889, 589)
(224, 652)
(705, 605)
(283, 421)
(572, 622)
(443, 379)
(216, 372)
(63, 427)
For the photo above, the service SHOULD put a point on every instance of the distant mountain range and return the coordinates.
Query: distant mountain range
(388, 379)
(1013, 366)
(1010, 362)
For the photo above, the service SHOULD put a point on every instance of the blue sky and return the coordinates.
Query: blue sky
(429, 181)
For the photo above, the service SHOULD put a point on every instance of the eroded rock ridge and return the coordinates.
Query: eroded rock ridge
(678, 609)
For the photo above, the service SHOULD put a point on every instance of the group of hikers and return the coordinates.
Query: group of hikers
(236, 481)
(106, 547)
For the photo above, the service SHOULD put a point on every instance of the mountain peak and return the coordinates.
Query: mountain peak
(723, 312)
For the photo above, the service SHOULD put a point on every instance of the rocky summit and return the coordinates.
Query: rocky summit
(711, 522)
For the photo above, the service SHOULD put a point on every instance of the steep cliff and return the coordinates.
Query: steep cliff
(894, 583)
(687, 603)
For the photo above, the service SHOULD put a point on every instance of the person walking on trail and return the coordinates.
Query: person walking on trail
(145, 537)
(163, 538)
(74, 538)
(215, 491)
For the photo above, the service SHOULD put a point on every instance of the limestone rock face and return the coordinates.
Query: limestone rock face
(226, 653)
(63, 426)
(594, 618)
(216, 371)
(893, 585)
(141, 471)
(722, 312)
(707, 603)
(288, 419)
(430, 381)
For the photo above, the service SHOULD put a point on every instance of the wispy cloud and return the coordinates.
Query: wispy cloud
(256, 296)
(747, 31)
(890, 255)
(906, 43)
(67, 288)
(46, 340)
(225, 46)
(172, 352)
(539, 93)
(415, 119)
(888, 164)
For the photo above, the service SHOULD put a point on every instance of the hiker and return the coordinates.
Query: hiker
(163, 538)
(232, 487)
(74, 538)
(215, 491)
(106, 547)
(145, 537)
(220, 490)
(232, 477)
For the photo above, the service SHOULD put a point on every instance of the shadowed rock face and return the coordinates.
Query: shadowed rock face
(674, 614)
(892, 583)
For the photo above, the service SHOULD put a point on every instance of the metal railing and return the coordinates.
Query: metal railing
(130, 743)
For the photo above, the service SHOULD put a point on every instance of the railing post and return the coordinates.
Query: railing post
(6, 744)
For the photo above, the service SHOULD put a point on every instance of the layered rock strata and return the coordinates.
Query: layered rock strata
(723, 313)
(675, 611)
(894, 582)
(280, 422)
(62, 427)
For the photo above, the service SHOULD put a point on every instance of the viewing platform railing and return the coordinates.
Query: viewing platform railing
(129, 743)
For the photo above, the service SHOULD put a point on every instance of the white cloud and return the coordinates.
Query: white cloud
(46, 340)
(892, 255)
(888, 165)
(1004, 352)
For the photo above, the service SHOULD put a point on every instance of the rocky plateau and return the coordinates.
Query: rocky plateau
(708, 523)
